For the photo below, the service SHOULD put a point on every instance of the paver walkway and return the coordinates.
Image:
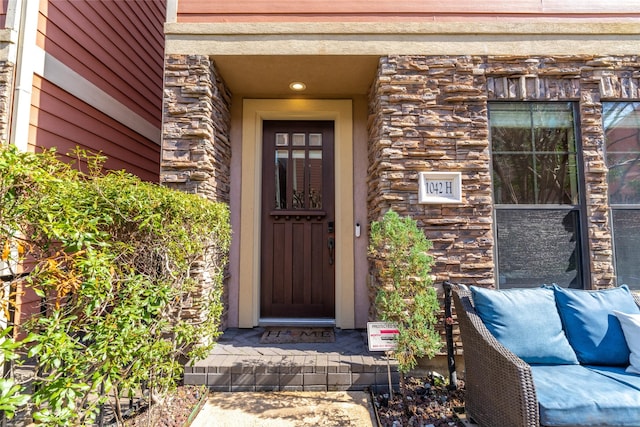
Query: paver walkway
(240, 363)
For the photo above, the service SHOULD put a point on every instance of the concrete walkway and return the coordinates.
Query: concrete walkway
(287, 409)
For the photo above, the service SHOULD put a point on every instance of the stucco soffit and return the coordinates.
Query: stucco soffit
(401, 38)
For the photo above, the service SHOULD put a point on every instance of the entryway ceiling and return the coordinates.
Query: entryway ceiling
(270, 76)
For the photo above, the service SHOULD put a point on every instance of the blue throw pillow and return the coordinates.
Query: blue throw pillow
(591, 326)
(526, 322)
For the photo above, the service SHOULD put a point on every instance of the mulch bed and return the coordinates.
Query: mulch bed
(428, 403)
(174, 411)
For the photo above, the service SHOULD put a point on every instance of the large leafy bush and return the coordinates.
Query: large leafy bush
(116, 262)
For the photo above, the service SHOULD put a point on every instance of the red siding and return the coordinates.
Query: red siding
(62, 121)
(362, 10)
(116, 45)
(590, 6)
(3, 13)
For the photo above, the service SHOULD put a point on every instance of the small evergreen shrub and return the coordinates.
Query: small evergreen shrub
(398, 251)
(116, 263)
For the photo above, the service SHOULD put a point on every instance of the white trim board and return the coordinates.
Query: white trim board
(64, 77)
(26, 57)
(55, 71)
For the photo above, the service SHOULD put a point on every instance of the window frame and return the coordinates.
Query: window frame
(616, 206)
(583, 269)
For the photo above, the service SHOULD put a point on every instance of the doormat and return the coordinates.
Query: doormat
(289, 335)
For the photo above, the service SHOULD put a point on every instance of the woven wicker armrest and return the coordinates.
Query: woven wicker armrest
(499, 386)
(636, 298)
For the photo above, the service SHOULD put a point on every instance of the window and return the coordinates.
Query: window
(622, 136)
(536, 194)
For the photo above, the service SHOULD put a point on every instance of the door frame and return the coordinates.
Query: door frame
(254, 112)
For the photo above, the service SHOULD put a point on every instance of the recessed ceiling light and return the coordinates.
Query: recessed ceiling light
(297, 86)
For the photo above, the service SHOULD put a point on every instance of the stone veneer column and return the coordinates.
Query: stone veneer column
(604, 79)
(596, 186)
(6, 92)
(196, 153)
(430, 114)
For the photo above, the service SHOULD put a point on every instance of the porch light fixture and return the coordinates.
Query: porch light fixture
(297, 86)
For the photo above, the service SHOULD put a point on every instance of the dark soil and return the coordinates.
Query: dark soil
(429, 403)
(426, 403)
(174, 411)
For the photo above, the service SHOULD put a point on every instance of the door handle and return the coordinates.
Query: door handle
(331, 243)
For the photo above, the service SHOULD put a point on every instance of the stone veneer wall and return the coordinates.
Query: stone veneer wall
(196, 152)
(6, 91)
(429, 113)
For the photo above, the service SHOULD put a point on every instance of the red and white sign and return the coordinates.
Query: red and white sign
(383, 336)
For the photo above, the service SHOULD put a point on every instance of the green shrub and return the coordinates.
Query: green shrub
(116, 262)
(399, 253)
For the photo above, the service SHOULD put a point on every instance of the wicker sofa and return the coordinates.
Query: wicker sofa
(504, 390)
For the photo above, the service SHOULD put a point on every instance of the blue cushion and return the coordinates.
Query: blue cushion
(618, 373)
(526, 322)
(591, 327)
(573, 395)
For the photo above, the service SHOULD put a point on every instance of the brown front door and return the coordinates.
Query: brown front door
(298, 240)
